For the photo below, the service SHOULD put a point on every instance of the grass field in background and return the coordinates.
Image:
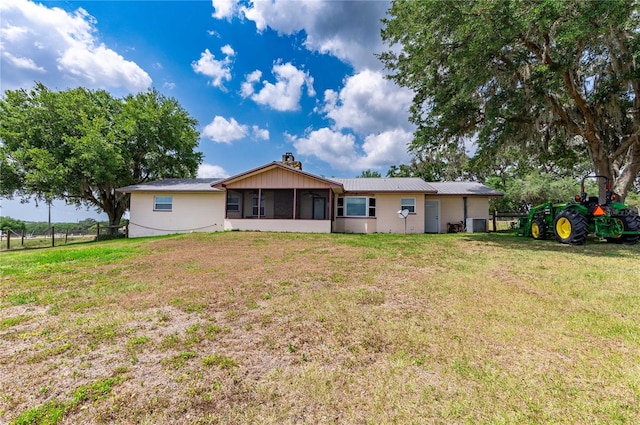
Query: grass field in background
(242, 327)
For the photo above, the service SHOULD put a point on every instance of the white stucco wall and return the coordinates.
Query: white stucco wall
(452, 209)
(386, 219)
(191, 212)
(387, 207)
(354, 225)
(278, 225)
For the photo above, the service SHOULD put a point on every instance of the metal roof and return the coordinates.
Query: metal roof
(173, 185)
(464, 188)
(393, 184)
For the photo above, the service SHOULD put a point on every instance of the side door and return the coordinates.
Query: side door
(432, 216)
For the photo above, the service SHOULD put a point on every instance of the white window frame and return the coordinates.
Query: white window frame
(369, 206)
(411, 206)
(163, 203)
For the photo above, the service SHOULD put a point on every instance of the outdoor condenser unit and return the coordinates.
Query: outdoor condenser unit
(476, 225)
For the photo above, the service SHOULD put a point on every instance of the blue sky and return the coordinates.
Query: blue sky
(261, 77)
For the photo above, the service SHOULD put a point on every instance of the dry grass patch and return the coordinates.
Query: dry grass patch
(267, 328)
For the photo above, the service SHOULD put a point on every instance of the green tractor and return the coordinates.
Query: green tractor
(571, 222)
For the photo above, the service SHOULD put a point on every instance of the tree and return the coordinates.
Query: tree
(443, 163)
(81, 145)
(551, 77)
(8, 223)
(369, 174)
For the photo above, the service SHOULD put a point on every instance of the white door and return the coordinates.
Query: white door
(432, 216)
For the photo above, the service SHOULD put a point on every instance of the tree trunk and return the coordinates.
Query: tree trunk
(115, 205)
(630, 173)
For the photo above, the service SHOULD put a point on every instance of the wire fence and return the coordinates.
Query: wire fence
(11, 240)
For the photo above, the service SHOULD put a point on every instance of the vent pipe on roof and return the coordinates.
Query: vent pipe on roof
(289, 160)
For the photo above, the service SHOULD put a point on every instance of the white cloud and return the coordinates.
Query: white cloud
(224, 9)
(370, 128)
(369, 103)
(260, 133)
(247, 87)
(329, 146)
(221, 130)
(343, 153)
(23, 63)
(210, 171)
(348, 30)
(60, 48)
(285, 94)
(218, 70)
(385, 149)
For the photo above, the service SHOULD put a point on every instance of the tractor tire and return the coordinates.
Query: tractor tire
(539, 229)
(571, 227)
(630, 223)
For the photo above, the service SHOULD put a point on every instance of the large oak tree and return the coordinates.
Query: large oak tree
(80, 145)
(548, 77)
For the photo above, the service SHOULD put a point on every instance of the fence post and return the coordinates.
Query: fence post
(126, 230)
(66, 235)
(495, 222)
(8, 239)
(53, 236)
(98, 233)
(23, 234)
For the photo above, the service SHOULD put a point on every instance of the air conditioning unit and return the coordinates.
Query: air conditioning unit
(476, 225)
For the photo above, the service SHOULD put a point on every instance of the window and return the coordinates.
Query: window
(163, 203)
(233, 203)
(408, 204)
(254, 206)
(356, 206)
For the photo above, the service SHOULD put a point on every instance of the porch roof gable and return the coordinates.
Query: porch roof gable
(336, 186)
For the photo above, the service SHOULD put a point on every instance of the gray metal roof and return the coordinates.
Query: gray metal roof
(394, 184)
(174, 185)
(464, 188)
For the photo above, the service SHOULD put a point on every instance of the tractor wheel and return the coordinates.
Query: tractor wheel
(571, 227)
(630, 223)
(539, 229)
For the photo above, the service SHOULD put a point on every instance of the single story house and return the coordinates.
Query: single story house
(280, 197)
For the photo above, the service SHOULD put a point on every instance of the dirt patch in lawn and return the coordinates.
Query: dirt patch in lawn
(267, 328)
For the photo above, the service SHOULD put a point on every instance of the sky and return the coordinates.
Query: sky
(262, 78)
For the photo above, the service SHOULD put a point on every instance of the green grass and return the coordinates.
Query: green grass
(264, 328)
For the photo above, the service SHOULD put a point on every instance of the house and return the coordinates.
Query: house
(281, 197)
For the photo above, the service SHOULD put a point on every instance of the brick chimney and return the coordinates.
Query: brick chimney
(289, 160)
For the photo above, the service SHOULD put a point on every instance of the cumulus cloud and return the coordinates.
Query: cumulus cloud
(348, 30)
(224, 9)
(285, 93)
(221, 130)
(343, 152)
(370, 128)
(218, 70)
(60, 48)
(329, 146)
(210, 171)
(259, 133)
(368, 103)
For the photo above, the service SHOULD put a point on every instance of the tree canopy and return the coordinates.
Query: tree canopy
(81, 145)
(555, 80)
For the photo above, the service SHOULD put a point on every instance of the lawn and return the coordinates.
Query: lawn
(263, 328)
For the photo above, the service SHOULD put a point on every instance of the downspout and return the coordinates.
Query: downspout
(259, 202)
